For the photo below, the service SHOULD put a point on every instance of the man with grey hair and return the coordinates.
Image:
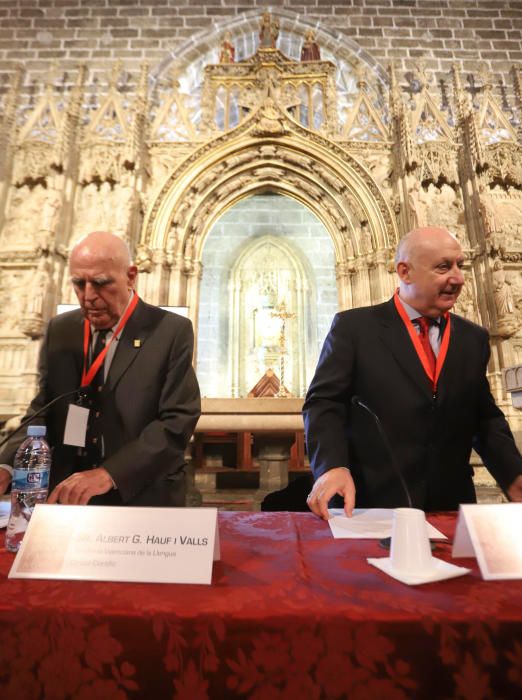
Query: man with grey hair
(135, 361)
(419, 370)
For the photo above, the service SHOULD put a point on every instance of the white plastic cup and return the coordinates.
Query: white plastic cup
(410, 551)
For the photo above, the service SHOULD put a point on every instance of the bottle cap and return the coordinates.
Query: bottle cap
(36, 431)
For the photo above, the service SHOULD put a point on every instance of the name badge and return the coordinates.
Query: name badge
(76, 426)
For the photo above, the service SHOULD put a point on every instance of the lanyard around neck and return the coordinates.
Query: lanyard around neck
(88, 375)
(418, 346)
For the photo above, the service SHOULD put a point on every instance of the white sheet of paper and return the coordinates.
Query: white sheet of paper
(76, 425)
(108, 543)
(5, 510)
(440, 571)
(491, 533)
(369, 523)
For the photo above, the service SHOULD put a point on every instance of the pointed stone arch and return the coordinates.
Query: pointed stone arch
(270, 151)
(298, 300)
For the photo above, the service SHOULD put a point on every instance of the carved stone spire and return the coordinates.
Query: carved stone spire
(69, 134)
(466, 124)
(7, 122)
(139, 118)
(401, 125)
(517, 88)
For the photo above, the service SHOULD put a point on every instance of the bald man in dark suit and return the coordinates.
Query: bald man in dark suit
(146, 403)
(428, 387)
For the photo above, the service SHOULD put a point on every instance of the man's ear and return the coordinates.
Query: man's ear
(132, 274)
(403, 270)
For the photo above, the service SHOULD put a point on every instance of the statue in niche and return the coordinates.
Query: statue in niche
(366, 238)
(40, 287)
(268, 31)
(444, 209)
(417, 202)
(122, 208)
(51, 211)
(509, 210)
(13, 292)
(24, 214)
(310, 50)
(173, 248)
(379, 166)
(465, 305)
(491, 215)
(348, 246)
(90, 214)
(487, 210)
(270, 121)
(32, 322)
(228, 52)
(503, 298)
(162, 165)
(143, 258)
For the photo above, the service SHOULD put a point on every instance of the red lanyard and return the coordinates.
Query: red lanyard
(417, 344)
(88, 376)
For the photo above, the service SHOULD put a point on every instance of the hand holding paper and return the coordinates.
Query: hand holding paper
(335, 481)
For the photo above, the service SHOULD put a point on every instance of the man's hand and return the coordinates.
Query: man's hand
(515, 490)
(336, 480)
(79, 488)
(5, 480)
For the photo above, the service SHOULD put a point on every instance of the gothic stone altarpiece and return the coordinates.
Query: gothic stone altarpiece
(147, 160)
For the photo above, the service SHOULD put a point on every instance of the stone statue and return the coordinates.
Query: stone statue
(502, 292)
(465, 305)
(310, 50)
(366, 238)
(270, 121)
(487, 211)
(50, 211)
(13, 290)
(228, 52)
(123, 206)
(417, 206)
(40, 287)
(143, 259)
(268, 31)
(23, 219)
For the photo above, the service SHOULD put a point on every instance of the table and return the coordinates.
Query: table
(291, 613)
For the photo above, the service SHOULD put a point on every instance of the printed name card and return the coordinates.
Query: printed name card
(491, 533)
(107, 543)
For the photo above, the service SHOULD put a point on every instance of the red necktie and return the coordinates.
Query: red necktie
(424, 337)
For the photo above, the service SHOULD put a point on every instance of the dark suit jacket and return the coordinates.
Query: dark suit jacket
(368, 353)
(150, 404)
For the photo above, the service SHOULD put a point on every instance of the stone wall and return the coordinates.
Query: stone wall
(35, 32)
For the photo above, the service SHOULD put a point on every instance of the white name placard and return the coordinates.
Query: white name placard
(491, 533)
(109, 543)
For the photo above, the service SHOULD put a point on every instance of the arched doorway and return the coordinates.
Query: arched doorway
(266, 250)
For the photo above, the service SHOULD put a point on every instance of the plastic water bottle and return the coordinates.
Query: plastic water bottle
(30, 483)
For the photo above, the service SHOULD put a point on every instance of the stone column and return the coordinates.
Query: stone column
(273, 457)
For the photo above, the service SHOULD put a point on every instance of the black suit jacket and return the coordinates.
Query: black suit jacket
(150, 404)
(368, 353)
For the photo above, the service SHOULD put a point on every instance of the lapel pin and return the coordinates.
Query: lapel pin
(137, 343)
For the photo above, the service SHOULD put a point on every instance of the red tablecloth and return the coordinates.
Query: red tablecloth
(291, 613)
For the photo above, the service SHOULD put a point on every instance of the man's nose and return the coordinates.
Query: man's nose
(457, 276)
(90, 291)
